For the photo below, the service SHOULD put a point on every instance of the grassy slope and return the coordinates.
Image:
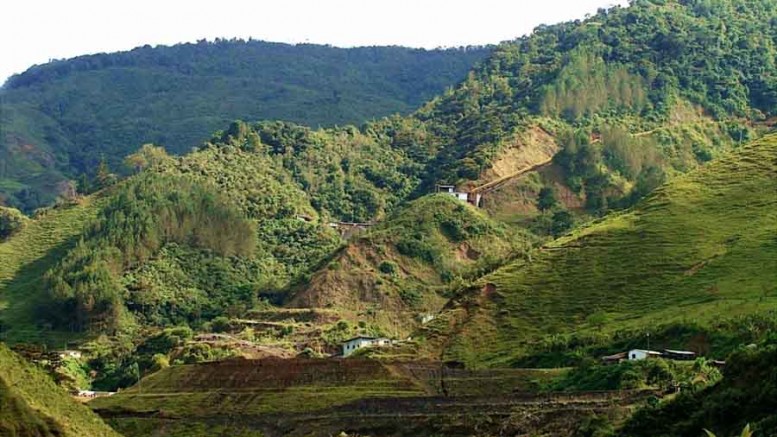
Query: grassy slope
(700, 247)
(25, 258)
(32, 405)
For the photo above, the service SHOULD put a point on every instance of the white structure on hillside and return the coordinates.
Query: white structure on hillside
(69, 354)
(352, 345)
(642, 354)
(472, 198)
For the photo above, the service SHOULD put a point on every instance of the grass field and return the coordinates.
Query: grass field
(26, 257)
(31, 404)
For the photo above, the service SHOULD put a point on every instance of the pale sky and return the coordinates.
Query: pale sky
(35, 31)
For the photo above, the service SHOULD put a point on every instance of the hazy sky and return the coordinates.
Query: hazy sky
(35, 31)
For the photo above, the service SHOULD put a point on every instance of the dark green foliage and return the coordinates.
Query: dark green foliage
(388, 267)
(350, 174)
(546, 199)
(410, 296)
(165, 341)
(655, 373)
(220, 324)
(176, 96)
(746, 394)
(594, 426)
(11, 221)
(562, 222)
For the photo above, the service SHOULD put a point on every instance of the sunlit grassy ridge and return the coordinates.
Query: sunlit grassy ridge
(701, 247)
(26, 257)
(32, 405)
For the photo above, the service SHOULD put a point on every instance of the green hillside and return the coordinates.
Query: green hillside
(406, 266)
(177, 96)
(25, 258)
(31, 405)
(699, 250)
(574, 122)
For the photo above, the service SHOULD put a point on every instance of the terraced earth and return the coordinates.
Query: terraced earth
(297, 397)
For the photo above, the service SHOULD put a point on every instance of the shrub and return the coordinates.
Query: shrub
(220, 324)
(11, 221)
(410, 296)
(388, 267)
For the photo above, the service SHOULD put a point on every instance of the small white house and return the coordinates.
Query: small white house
(642, 354)
(69, 354)
(352, 345)
(426, 318)
(473, 198)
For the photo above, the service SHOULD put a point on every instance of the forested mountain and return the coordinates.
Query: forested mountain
(577, 121)
(60, 119)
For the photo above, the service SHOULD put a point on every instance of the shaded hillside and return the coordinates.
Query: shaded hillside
(402, 267)
(59, 118)
(31, 405)
(701, 246)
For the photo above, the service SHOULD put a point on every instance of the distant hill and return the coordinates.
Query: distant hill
(32, 405)
(59, 119)
(697, 252)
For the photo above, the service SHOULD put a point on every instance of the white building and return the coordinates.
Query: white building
(473, 198)
(352, 345)
(642, 354)
(69, 354)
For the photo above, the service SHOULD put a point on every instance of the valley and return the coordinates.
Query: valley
(575, 238)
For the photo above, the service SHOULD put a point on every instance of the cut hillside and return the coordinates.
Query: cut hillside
(403, 266)
(700, 248)
(31, 405)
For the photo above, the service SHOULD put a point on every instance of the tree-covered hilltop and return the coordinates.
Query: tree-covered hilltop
(59, 119)
(632, 93)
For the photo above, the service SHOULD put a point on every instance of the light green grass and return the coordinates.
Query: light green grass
(701, 248)
(37, 406)
(26, 257)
